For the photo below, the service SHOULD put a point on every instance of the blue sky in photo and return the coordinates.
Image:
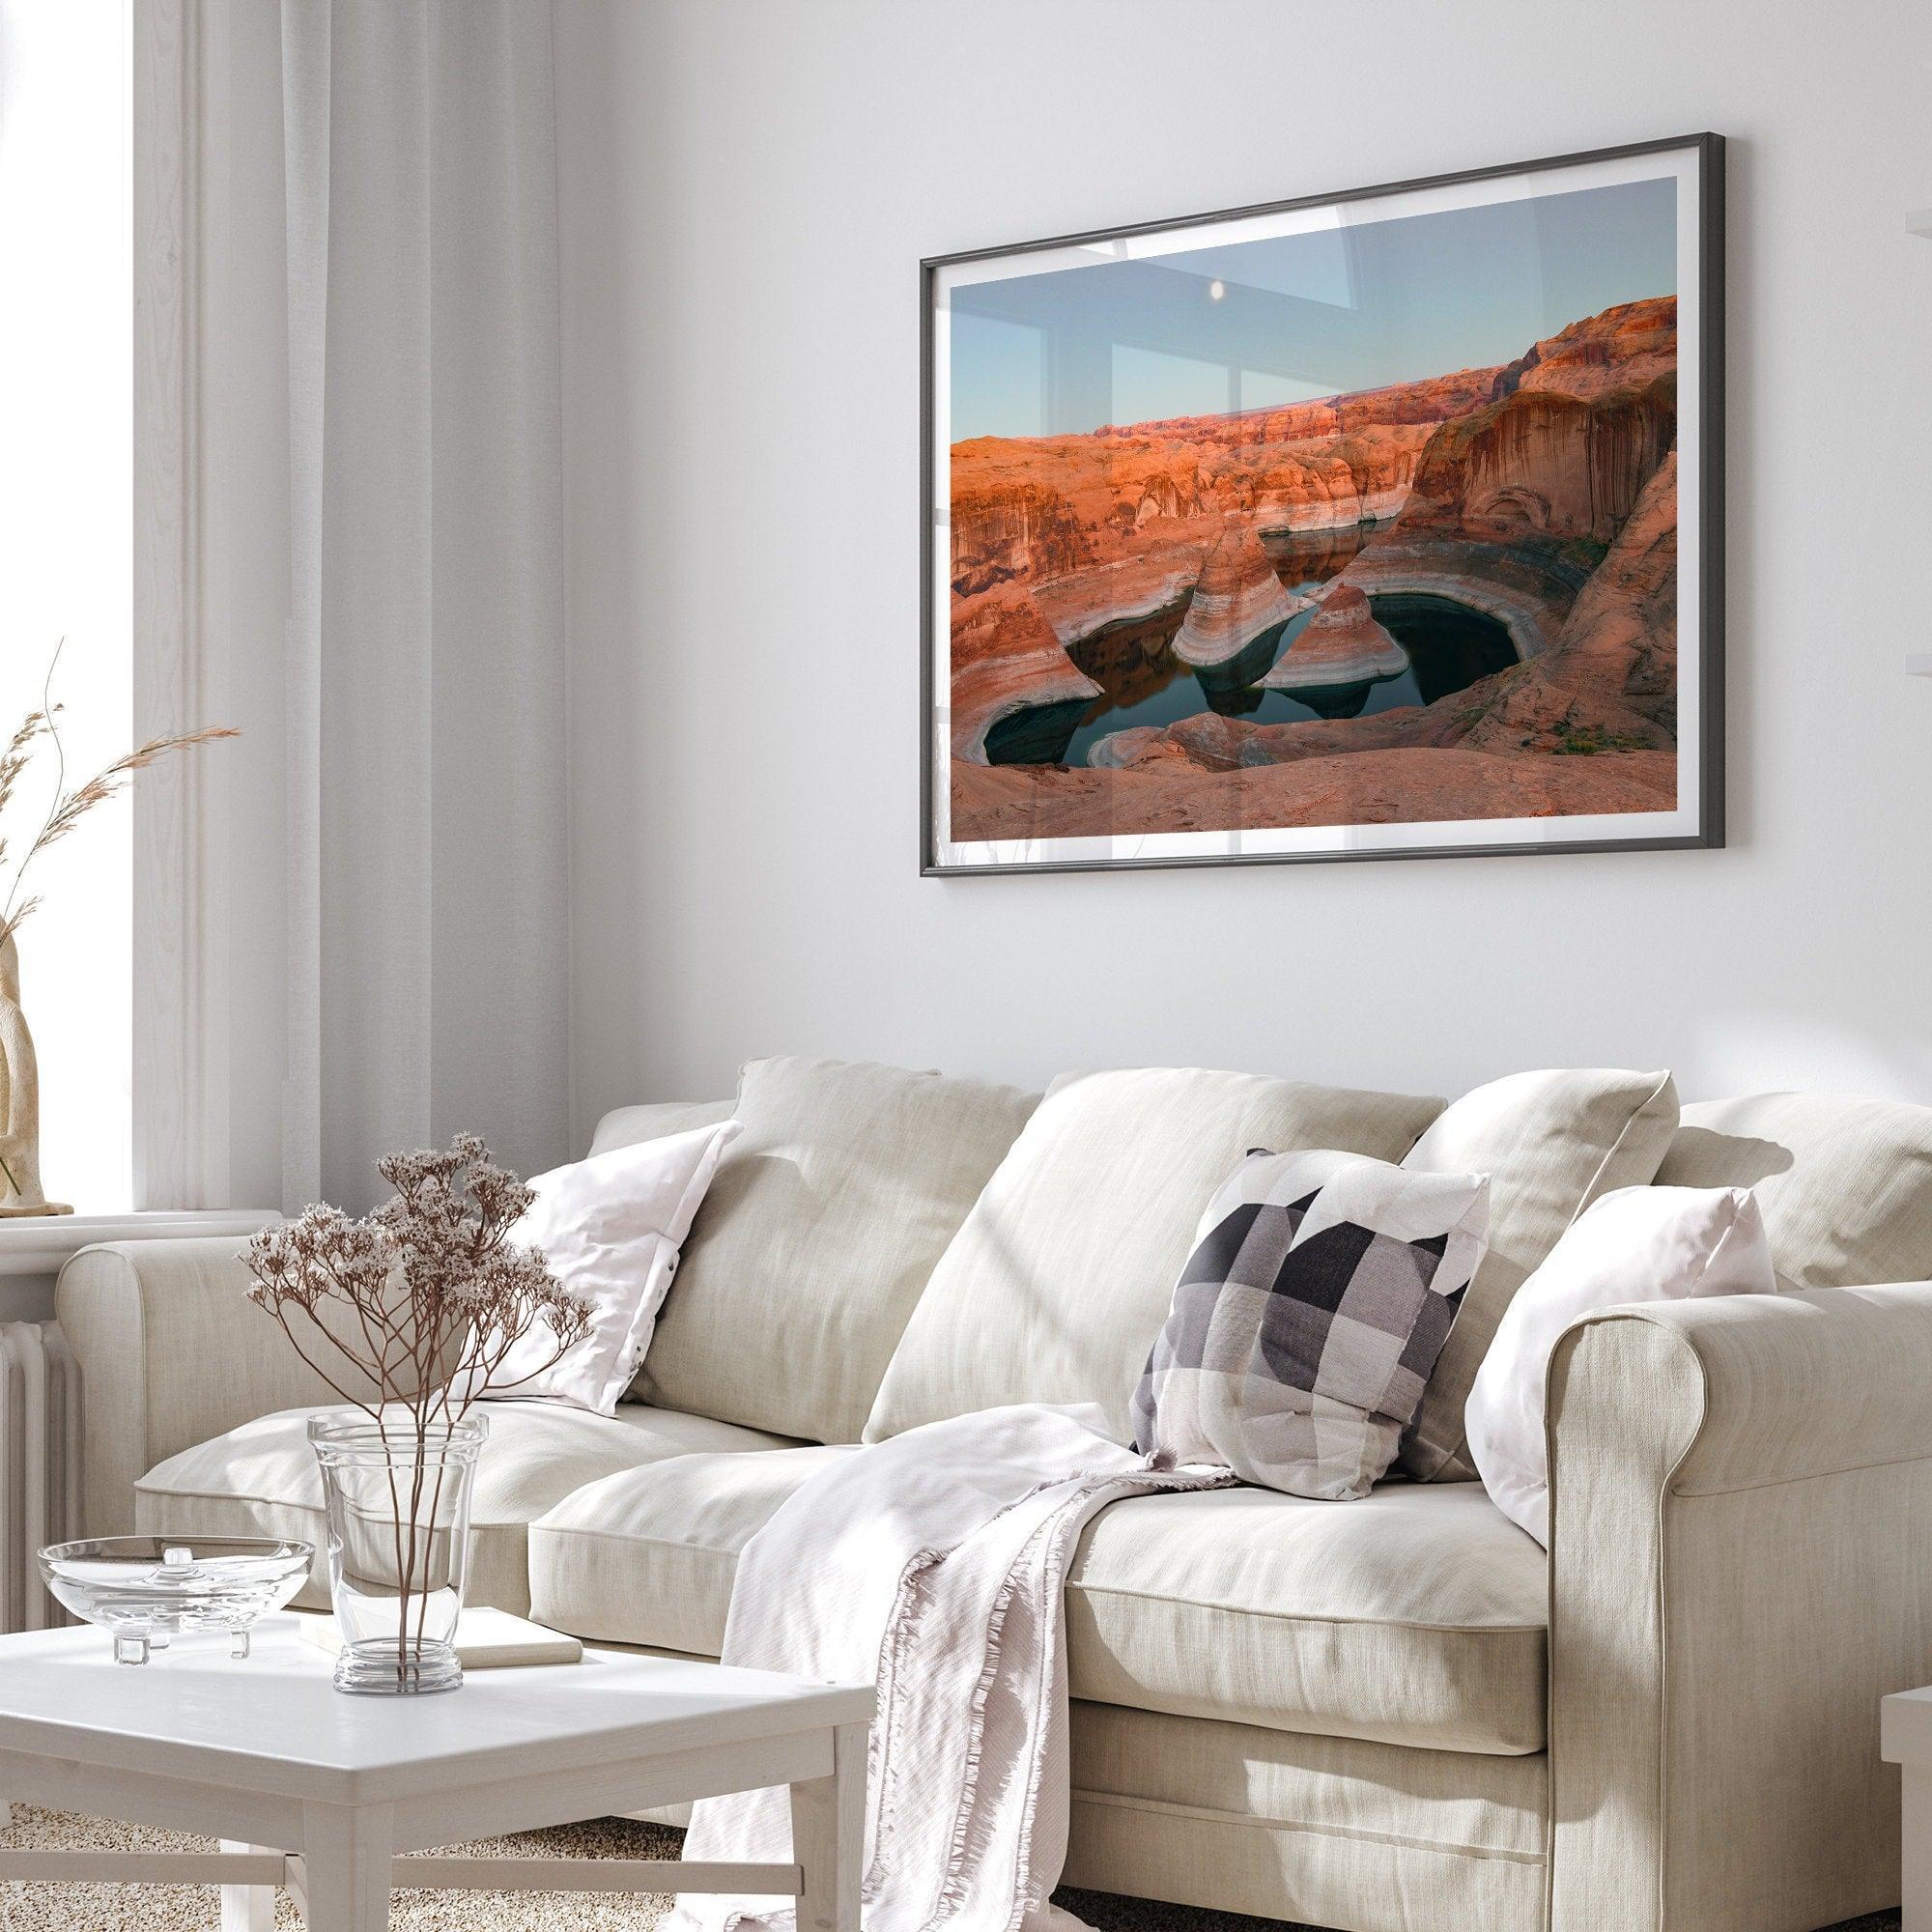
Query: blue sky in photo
(1300, 316)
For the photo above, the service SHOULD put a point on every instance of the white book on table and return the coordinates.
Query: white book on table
(485, 1639)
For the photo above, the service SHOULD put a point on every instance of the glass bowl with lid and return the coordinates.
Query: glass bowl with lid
(146, 1590)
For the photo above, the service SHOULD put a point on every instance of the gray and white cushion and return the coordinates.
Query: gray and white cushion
(1303, 1327)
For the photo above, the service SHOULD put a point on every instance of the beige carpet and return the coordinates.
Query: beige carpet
(193, 1908)
(111, 1908)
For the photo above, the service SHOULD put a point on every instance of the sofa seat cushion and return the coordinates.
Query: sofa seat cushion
(630, 1561)
(1415, 1616)
(262, 1480)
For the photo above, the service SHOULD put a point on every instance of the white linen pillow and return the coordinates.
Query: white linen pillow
(610, 1228)
(1638, 1244)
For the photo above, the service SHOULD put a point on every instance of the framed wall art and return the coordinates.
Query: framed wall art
(1365, 525)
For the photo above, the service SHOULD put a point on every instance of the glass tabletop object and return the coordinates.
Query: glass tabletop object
(146, 1590)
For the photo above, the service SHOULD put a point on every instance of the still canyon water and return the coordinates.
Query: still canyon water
(1450, 648)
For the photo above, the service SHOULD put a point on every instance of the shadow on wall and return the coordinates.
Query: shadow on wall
(1811, 1050)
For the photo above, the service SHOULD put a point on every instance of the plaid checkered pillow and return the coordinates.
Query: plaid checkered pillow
(1306, 1323)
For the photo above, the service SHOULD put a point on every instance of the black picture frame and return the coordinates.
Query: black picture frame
(1708, 467)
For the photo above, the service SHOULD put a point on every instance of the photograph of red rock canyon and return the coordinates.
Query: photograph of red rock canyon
(1446, 596)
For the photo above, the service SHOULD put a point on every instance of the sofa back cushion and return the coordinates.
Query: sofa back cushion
(816, 1236)
(1550, 1143)
(628, 1127)
(1845, 1185)
(1057, 1285)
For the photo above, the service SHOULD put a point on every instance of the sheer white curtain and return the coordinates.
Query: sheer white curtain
(426, 911)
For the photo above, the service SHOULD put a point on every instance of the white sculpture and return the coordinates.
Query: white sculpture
(19, 1100)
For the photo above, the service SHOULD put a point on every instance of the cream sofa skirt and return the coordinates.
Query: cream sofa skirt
(1330, 1832)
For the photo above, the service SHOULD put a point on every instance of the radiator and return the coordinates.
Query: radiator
(40, 1465)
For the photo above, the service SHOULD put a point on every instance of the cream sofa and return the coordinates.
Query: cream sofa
(1397, 1713)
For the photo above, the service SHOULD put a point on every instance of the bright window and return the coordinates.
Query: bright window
(65, 488)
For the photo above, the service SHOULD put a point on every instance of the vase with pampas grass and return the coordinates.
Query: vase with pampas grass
(20, 1189)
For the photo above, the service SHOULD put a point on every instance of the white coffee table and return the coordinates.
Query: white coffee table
(320, 1792)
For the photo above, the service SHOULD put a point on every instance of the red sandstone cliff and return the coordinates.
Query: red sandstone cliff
(1012, 528)
(1623, 348)
(1427, 402)
(1543, 461)
(1036, 508)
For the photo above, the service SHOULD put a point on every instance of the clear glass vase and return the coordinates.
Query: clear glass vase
(398, 1495)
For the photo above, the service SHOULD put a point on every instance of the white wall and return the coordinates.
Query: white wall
(747, 186)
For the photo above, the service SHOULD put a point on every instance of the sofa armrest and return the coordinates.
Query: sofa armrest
(171, 1353)
(1741, 1567)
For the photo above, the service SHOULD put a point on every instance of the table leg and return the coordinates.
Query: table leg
(828, 1833)
(346, 1854)
(246, 1908)
(1915, 1850)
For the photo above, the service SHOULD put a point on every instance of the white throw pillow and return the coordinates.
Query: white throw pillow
(610, 1228)
(1639, 1245)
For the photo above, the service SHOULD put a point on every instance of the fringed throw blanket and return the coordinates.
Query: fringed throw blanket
(933, 1562)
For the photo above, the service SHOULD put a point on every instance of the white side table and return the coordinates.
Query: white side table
(35, 1248)
(319, 1792)
(1905, 1739)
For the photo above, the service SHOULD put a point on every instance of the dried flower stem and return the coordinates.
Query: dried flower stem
(67, 809)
